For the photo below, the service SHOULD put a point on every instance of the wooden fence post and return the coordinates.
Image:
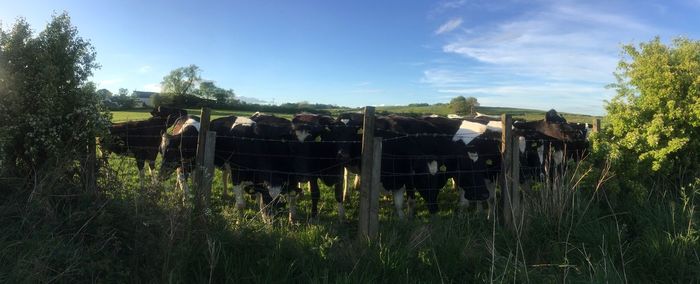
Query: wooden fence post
(207, 174)
(515, 181)
(596, 125)
(373, 231)
(507, 169)
(89, 169)
(199, 172)
(369, 189)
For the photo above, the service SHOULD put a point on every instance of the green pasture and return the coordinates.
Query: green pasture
(144, 113)
(151, 234)
(526, 114)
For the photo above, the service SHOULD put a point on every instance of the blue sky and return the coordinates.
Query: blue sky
(531, 54)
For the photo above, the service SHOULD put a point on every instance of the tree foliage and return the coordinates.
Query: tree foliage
(208, 90)
(181, 81)
(654, 120)
(104, 94)
(49, 111)
(462, 106)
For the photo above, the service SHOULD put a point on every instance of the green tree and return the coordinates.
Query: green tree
(653, 123)
(103, 94)
(223, 96)
(462, 106)
(207, 89)
(49, 111)
(181, 81)
(123, 92)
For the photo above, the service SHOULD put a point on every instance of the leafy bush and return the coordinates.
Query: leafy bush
(49, 112)
(654, 120)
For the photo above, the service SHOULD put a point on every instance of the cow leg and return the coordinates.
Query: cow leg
(490, 203)
(225, 174)
(238, 194)
(140, 164)
(398, 202)
(430, 195)
(346, 183)
(339, 198)
(292, 203)
(463, 202)
(315, 197)
(152, 171)
(264, 208)
(411, 203)
(182, 182)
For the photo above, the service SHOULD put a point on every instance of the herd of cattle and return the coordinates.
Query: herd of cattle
(270, 156)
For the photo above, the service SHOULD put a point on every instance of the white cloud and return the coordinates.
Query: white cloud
(366, 91)
(145, 69)
(109, 82)
(453, 4)
(449, 26)
(560, 54)
(153, 87)
(563, 97)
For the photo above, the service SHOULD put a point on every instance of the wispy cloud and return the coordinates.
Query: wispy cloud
(152, 87)
(567, 51)
(366, 91)
(449, 26)
(145, 69)
(453, 4)
(109, 82)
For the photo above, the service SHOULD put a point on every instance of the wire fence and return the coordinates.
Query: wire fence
(418, 156)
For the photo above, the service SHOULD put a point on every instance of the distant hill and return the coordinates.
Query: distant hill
(250, 100)
(444, 110)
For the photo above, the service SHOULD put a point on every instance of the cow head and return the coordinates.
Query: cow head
(310, 127)
(164, 112)
(168, 113)
(553, 117)
(346, 131)
(169, 155)
(271, 127)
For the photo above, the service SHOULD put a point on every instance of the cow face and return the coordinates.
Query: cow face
(169, 151)
(346, 140)
(346, 130)
(165, 112)
(271, 127)
(309, 127)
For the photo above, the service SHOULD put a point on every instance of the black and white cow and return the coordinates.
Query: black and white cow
(546, 144)
(140, 138)
(476, 155)
(322, 150)
(254, 149)
(420, 155)
(178, 150)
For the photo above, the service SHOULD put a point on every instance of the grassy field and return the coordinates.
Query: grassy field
(527, 114)
(585, 229)
(130, 234)
(144, 113)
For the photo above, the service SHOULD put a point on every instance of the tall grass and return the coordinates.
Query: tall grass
(584, 233)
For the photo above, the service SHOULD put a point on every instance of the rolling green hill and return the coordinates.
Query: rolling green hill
(440, 109)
